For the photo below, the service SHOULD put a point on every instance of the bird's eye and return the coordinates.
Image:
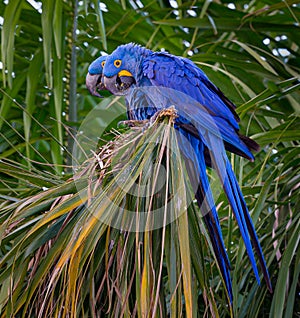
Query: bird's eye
(117, 63)
(102, 63)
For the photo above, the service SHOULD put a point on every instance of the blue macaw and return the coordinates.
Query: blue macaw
(93, 81)
(207, 124)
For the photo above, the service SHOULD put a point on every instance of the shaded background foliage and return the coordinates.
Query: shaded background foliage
(250, 49)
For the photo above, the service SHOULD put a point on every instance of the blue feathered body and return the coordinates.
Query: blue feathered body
(207, 124)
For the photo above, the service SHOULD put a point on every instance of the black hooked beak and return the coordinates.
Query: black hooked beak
(120, 83)
(94, 83)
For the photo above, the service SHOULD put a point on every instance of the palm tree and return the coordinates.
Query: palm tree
(57, 257)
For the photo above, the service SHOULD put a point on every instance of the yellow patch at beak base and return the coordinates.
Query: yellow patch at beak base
(124, 73)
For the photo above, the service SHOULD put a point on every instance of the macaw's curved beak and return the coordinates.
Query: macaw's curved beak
(94, 83)
(120, 83)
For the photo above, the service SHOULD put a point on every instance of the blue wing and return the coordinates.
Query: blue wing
(163, 69)
(179, 73)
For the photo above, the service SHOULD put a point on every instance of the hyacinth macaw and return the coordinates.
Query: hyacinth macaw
(202, 110)
(93, 81)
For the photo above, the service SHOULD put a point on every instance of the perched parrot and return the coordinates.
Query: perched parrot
(207, 122)
(93, 81)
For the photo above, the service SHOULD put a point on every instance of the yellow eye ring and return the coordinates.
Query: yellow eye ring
(117, 63)
(102, 63)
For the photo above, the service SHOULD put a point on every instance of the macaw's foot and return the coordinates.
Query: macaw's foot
(170, 112)
(133, 123)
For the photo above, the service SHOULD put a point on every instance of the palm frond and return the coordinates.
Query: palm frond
(111, 238)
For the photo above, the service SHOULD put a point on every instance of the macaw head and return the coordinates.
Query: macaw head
(122, 68)
(94, 77)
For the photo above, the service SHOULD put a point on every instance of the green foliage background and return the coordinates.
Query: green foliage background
(250, 49)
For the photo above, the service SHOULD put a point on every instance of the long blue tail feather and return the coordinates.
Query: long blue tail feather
(195, 159)
(251, 230)
(236, 200)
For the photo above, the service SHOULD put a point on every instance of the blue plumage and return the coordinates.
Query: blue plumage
(96, 67)
(207, 124)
